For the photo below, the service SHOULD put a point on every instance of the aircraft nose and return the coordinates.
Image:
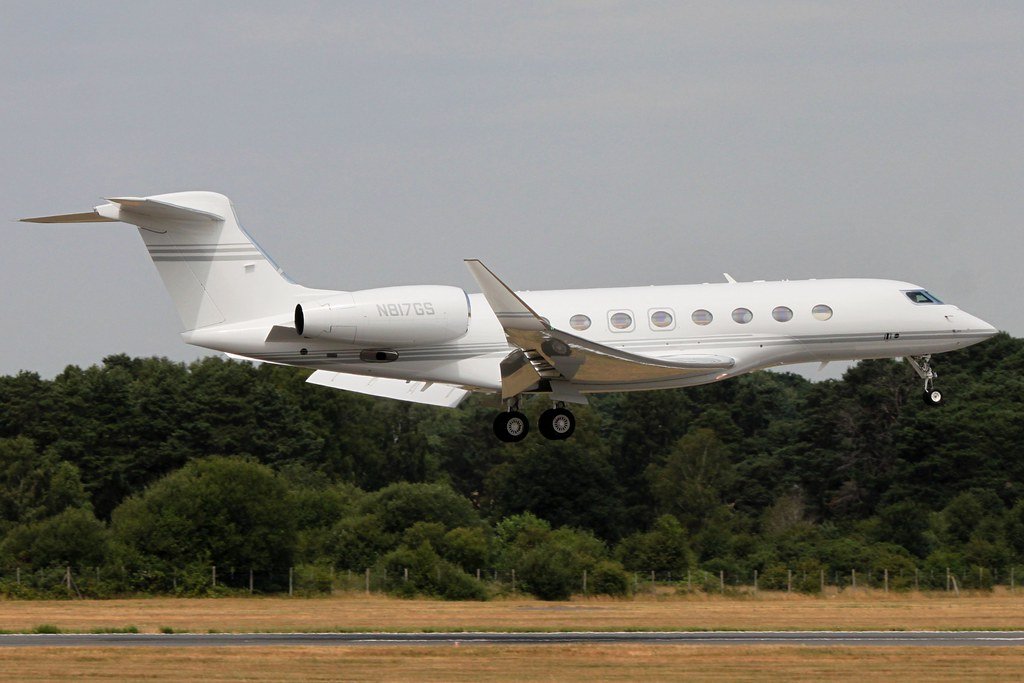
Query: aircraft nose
(975, 326)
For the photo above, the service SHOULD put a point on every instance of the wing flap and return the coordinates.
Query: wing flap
(429, 393)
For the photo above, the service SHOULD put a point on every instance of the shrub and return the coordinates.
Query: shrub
(608, 578)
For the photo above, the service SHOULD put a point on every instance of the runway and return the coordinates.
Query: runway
(724, 638)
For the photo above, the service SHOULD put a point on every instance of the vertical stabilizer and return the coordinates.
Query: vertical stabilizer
(213, 270)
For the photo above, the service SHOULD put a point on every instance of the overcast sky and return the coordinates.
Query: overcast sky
(574, 144)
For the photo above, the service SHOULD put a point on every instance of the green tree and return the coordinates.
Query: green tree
(226, 511)
(690, 482)
(73, 537)
(35, 485)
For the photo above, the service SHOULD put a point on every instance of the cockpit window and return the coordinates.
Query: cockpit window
(919, 296)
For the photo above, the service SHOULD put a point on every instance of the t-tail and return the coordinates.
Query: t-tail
(213, 270)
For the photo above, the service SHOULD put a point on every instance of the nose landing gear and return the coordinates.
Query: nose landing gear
(922, 366)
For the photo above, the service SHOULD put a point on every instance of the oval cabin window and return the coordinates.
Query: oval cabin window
(702, 317)
(782, 313)
(661, 319)
(742, 315)
(579, 322)
(821, 312)
(621, 321)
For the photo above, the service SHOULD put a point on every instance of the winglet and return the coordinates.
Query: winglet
(513, 313)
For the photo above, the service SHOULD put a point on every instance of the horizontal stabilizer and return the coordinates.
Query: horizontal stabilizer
(154, 208)
(129, 209)
(87, 217)
(430, 393)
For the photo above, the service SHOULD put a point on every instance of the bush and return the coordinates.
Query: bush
(608, 578)
(428, 574)
(72, 537)
(549, 573)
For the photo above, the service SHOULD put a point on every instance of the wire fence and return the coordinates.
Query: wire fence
(306, 580)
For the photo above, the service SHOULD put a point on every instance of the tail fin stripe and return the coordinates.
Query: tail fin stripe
(189, 258)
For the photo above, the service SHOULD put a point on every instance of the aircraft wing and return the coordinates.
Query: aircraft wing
(546, 353)
(430, 393)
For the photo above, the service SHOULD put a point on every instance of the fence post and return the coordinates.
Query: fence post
(721, 581)
(477, 574)
(250, 580)
(652, 578)
(755, 581)
(886, 580)
(291, 580)
(405, 574)
(213, 573)
(17, 575)
(981, 577)
(367, 580)
(67, 577)
(789, 580)
(853, 579)
(947, 579)
(584, 582)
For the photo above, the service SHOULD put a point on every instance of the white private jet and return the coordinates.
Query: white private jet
(434, 344)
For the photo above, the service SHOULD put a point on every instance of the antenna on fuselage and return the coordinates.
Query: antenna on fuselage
(729, 278)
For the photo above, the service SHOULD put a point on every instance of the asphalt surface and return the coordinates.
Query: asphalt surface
(828, 638)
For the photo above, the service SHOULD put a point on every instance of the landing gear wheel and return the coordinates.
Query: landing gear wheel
(557, 424)
(511, 427)
(933, 397)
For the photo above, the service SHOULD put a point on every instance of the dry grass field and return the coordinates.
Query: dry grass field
(505, 663)
(766, 611)
(512, 663)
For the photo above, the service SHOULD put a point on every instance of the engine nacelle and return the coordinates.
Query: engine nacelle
(389, 316)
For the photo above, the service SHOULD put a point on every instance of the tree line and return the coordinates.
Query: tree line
(152, 467)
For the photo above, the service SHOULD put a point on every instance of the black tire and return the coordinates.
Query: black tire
(557, 424)
(511, 427)
(933, 397)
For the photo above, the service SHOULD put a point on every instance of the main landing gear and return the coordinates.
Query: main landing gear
(922, 366)
(512, 426)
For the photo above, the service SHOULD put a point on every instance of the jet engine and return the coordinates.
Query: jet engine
(389, 316)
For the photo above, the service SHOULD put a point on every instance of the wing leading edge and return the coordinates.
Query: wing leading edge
(547, 353)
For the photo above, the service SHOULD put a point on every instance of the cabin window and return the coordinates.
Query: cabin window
(620, 321)
(742, 315)
(919, 296)
(822, 312)
(662, 319)
(579, 322)
(782, 313)
(702, 317)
